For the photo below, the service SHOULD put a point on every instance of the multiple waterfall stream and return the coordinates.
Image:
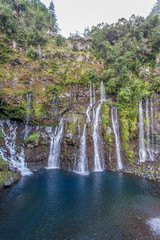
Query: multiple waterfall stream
(148, 140)
(82, 166)
(148, 136)
(9, 151)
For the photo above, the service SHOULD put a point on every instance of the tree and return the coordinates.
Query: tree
(156, 8)
(7, 19)
(59, 40)
(52, 11)
(52, 17)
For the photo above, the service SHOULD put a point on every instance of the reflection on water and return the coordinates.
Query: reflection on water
(55, 204)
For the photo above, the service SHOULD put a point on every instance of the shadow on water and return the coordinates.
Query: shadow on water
(56, 204)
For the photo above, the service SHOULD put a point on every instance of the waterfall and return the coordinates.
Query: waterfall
(16, 160)
(147, 124)
(24, 168)
(55, 145)
(23, 165)
(152, 121)
(75, 150)
(115, 126)
(10, 142)
(90, 105)
(102, 93)
(98, 165)
(94, 94)
(149, 150)
(156, 121)
(83, 161)
(142, 152)
(29, 98)
(53, 103)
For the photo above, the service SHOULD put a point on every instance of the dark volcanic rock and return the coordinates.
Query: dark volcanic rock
(16, 62)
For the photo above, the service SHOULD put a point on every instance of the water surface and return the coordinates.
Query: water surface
(60, 205)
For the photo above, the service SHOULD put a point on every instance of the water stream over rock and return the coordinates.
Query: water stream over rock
(9, 151)
(115, 126)
(55, 145)
(98, 164)
(82, 167)
(142, 152)
(29, 98)
(148, 147)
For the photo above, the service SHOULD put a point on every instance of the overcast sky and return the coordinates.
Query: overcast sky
(76, 15)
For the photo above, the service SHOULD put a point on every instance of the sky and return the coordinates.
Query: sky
(76, 15)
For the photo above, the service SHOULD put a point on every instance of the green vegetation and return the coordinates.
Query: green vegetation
(6, 173)
(5, 53)
(124, 55)
(26, 21)
(31, 53)
(156, 8)
(130, 49)
(33, 138)
(3, 163)
(106, 122)
(1, 135)
(127, 47)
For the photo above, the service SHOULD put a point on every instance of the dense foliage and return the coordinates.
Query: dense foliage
(26, 21)
(156, 8)
(130, 49)
(125, 55)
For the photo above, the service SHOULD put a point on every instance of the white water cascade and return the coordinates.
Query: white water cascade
(156, 121)
(29, 98)
(98, 164)
(115, 126)
(55, 145)
(151, 128)
(82, 167)
(152, 121)
(24, 169)
(147, 124)
(94, 94)
(9, 151)
(142, 152)
(148, 149)
(75, 150)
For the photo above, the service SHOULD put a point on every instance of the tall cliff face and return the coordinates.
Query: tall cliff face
(42, 87)
(72, 105)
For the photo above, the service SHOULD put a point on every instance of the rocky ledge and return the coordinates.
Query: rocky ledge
(148, 170)
(7, 176)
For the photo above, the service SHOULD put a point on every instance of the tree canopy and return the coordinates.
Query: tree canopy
(27, 21)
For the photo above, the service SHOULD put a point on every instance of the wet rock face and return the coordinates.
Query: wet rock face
(7, 176)
(149, 170)
(37, 150)
(72, 105)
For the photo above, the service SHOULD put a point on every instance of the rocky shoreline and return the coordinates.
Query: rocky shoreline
(148, 170)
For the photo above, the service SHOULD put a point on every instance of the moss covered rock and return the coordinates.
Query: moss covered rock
(7, 176)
